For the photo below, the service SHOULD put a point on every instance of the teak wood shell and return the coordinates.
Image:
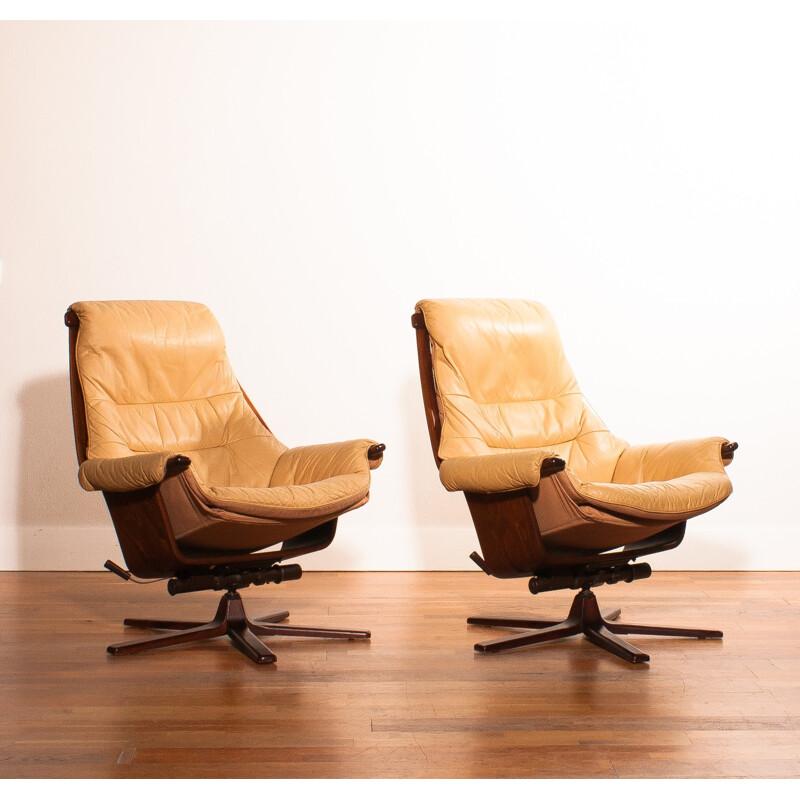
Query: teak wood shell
(150, 547)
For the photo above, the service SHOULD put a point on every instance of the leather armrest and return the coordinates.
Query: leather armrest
(662, 462)
(317, 462)
(128, 473)
(495, 472)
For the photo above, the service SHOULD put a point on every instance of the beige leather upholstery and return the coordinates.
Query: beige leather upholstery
(509, 399)
(495, 472)
(157, 383)
(124, 474)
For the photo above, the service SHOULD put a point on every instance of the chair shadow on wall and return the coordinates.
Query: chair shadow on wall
(58, 523)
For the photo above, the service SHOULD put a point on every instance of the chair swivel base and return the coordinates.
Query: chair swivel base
(232, 620)
(584, 617)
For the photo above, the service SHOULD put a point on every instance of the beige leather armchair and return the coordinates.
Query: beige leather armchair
(198, 487)
(554, 495)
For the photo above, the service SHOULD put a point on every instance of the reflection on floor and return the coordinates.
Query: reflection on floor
(415, 700)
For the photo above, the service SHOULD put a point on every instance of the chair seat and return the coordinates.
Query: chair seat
(318, 497)
(245, 519)
(683, 496)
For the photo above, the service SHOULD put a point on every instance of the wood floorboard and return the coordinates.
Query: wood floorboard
(413, 702)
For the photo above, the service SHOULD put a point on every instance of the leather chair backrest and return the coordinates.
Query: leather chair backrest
(504, 383)
(155, 377)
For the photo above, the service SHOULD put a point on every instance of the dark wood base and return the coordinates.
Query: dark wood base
(584, 617)
(232, 620)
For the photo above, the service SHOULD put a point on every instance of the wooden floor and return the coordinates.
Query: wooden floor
(416, 700)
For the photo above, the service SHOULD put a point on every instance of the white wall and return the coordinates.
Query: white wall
(310, 182)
